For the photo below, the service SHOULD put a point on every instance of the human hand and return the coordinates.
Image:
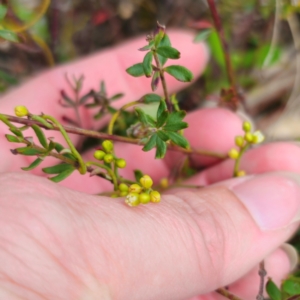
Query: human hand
(57, 243)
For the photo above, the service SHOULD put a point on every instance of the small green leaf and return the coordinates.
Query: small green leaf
(291, 287)
(161, 108)
(138, 174)
(178, 139)
(155, 80)
(136, 70)
(42, 121)
(33, 165)
(180, 73)
(58, 147)
(16, 131)
(147, 47)
(144, 118)
(9, 35)
(158, 37)
(162, 119)
(202, 35)
(58, 168)
(164, 42)
(3, 11)
(151, 98)
(174, 121)
(161, 148)
(272, 290)
(151, 143)
(63, 175)
(67, 99)
(28, 151)
(116, 96)
(147, 64)
(13, 138)
(168, 52)
(86, 97)
(163, 135)
(295, 297)
(40, 135)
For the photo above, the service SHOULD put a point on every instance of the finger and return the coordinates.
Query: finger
(212, 129)
(266, 158)
(41, 94)
(189, 244)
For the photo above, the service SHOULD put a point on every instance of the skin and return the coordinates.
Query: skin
(62, 242)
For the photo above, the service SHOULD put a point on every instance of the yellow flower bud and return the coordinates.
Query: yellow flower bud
(247, 126)
(146, 181)
(239, 141)
(123, 193)
(123, 187)
(144, 198)
(249, 137)
(258, 137)
(132, 199)
(164, 183)
(135, 188)
(241, 173)
(108, 158)
(21, 111)
(155, 196)
(233, 153)
(108, 146)
(99, 154)
(121, 163)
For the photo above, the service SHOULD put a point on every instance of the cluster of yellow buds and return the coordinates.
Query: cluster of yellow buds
(243, 142)
(139, 193)
(21, 111)
(107, 154)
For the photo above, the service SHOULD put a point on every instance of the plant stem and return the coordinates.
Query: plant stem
(225, 47)
(116, 115)
(163, 82)
(238, 160)
(227, 294)
(262, 274)
(101, 135)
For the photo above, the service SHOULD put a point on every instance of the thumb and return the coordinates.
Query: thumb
(191, 243)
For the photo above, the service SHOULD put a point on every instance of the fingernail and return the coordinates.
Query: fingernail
(292, 255)
(273, 199)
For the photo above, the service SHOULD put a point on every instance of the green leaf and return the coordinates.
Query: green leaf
(178, 139)
(202, 35)
(161, 108)
(216, 48)
(162, 119)
(16, 131)
(58, 147)
(58, 168)
(158, 37)
(3, 11)
(147, 64)
(161, 148)
(155, 80)
(151, 98)
(291, 287)
(163, 135)
(144, 118)
(168, 52)
(272, 290)
(28, 151)
(9, 35)
(294, 297)
(86, 97)
(138, 174)
(33, 165)
(13, 138)
(174, 121)
(116, 96)
(67, 99)
(164, 42)
(180, 73)
(151, 143)
(147, 47)
(136, 70)
(63, 175)
(40, 135)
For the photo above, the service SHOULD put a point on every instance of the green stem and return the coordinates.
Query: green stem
(163, 82)
(238, 160)
(117, 113)
(82, 166)
(109, 171)
(227, 294)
